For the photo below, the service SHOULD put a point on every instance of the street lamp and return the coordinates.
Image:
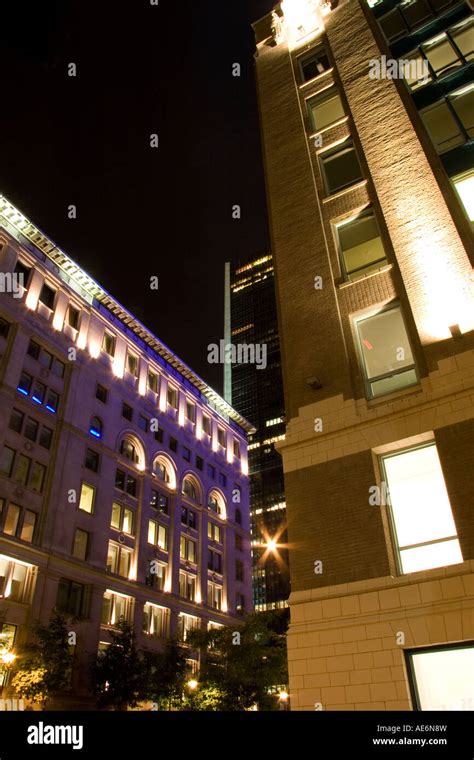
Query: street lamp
(283, 698)
(8, 658)
(193, 684)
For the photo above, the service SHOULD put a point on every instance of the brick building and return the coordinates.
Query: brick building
(370, 199)
(123, 476)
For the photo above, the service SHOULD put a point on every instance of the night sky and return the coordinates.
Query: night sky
(141, 69)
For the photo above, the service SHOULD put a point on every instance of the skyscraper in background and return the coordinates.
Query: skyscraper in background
(257, 393)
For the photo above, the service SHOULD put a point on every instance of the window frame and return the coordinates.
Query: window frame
(364, 214)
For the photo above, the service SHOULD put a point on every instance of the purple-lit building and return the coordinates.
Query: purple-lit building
(123, 476)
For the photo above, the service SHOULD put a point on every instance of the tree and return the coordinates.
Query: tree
(167, 673)
(243, 663)
(118, 673)
(43, 666)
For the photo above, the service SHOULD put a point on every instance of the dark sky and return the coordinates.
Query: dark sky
(141, 69)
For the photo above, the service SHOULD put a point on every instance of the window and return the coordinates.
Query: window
(47, 296)
(189, 489)
(236, 449)
(70, 598)
(28, 526)
(11, 520)
(238, 517)
(442, 677)
(206, 424)
(189, 518)
(221, 437)
(314, 65)
(101, 393)
(190, 411)
(108, 343)
(213, 503)
(214, 596)
(39, 391)
(156, 575)
(172, 397)
(155, 620)
(24, 383)
(188, 550)
(92, 460)
(4, 328)
(415, 12)
(464, 186)
(23, 270)
(340, 167)
(46, 437)
(199, 463)
(462, 34)
(449, 122)
(211, 471)
(143, 423)
(186, 454)
(115, 608)
(125, 482)
(386, 354)
(22, 469)
(16, 420)
(81, 544)
(187, 586)
(31, 429)
(223, 479)
(325, 109)
(441, 55)
(72, 318)
(173, 444)
(186, 624)
(238, 542)
(127, 412)
(214, 532)
(422, 521)
(132, 364)
(239, 570)
(158, 535)
(87, 498)
(159, 435)
(33, 349)
(240, 603)
(152, 381)
(95, 427)
(57, 367)
(162, 472)
(13, 577)
(128, 450)
(214, 561)
(360, 246)
(118, 560)
(6, 461)
(122, 518)
(52, 402)
(160, 502)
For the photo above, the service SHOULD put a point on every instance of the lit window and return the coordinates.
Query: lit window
(463, 36)
(81, 544)
(158, 535)
(340, 167)
(87, 498)
(464, 184)
(214, 532)
(13, 579)
(189, 489)
(325, 108)
(172, 397)
(206, 424)
(187, 586)
(186, 624)
(11, 520)
(387, 358)
(118, 560)
(441, 55)
(153, 381)
(442, 677)
(188, 550)
(215, 503)
(214, 596)
(108, 343)
(28, 526)
(155, 620)
(122, 518)
(115, 608)
(423, 524)
(449, 122)
(132, 364)
(360, 246)
(6, 461)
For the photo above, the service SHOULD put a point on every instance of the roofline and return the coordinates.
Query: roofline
(22, 226)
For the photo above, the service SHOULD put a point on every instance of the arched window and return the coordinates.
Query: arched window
(95, 427)
(216, 503)
(189, 489)
(161, 472)
(129, 450)
(163, 469)
(238, 517)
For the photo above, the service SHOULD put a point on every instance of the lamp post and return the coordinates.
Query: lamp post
(283, 700)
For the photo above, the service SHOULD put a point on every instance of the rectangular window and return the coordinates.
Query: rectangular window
(240, 603)
(132, 364)
(23, 270)
(188, 550)
(47, 296)
(325, 109)
(16, 420)
(211, 471)
(81, 544)
(39, 391)
(442, 677)
(236, 449)
(155, 620)
(206, 424)
(159, 501)
(340, 167)
(464, 186)
(4, 328)
(214, 532)
(214, 596)
(72, 318)
(239, 570)
(125, 483)
(143, 423)
(38, 472)
(186, 624)
(11, 520)
(172, 397)
(314, 65)
(31, 429)
(221, 437)
(442, 126)
(70, 597)
(156, 576)
(186, 454)
(158, 435)
(28, 526)
(190, 411)
(187, 586)
(223, 479)
(386, 353)
(87, 498)
(24, 384)
(360, 246)
(158, 535)
(238, 542)
(127, 412)
(45, 359)
(173, 444)
(422, 520)
(92, 460)
(52, 401)
(22, 469)
(46, 437)
(189, 518)
(416, 12)
(214, 561)
(108, 343)
(441, 55)
(462, 34)
(58, 367)
(115, 608)
(6, 461)
(153, 381)
(116, 518)
(101, 393)
(199, 463)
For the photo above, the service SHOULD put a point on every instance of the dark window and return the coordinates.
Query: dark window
(128, 450)
(189, 518)
(38, 473)
(214, 561)
(143, 423)
(206, 424)
(92, 460)
(6, 461)
(16, 420)
(190, 411)
(223, 479)
(199, 463)
(221, 437)
(81, 544)
(186, 454)
(101, 393)
(33, 349)
(39, 390)
(159, 435)
(24, 384)
(108, 344)
(312, 66)
(340, 167)
(22, 270)
(95, 427)
(45, 359)
(120, 480)
(73, 317)
(153, 381)
(173, 444)
(159, 501)
(238, 517)
(240, 603)
(52, 401)
(211, 471)
(47, 296)
(46, 436)
(57, 368)
(4, 328)
(127, 411)
(238, 542)
(239, 570)
(31, 429)
(70, 597)
(125, 483)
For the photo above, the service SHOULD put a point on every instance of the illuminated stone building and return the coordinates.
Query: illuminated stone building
(258, 395)
(369, 184)
(123, 476)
